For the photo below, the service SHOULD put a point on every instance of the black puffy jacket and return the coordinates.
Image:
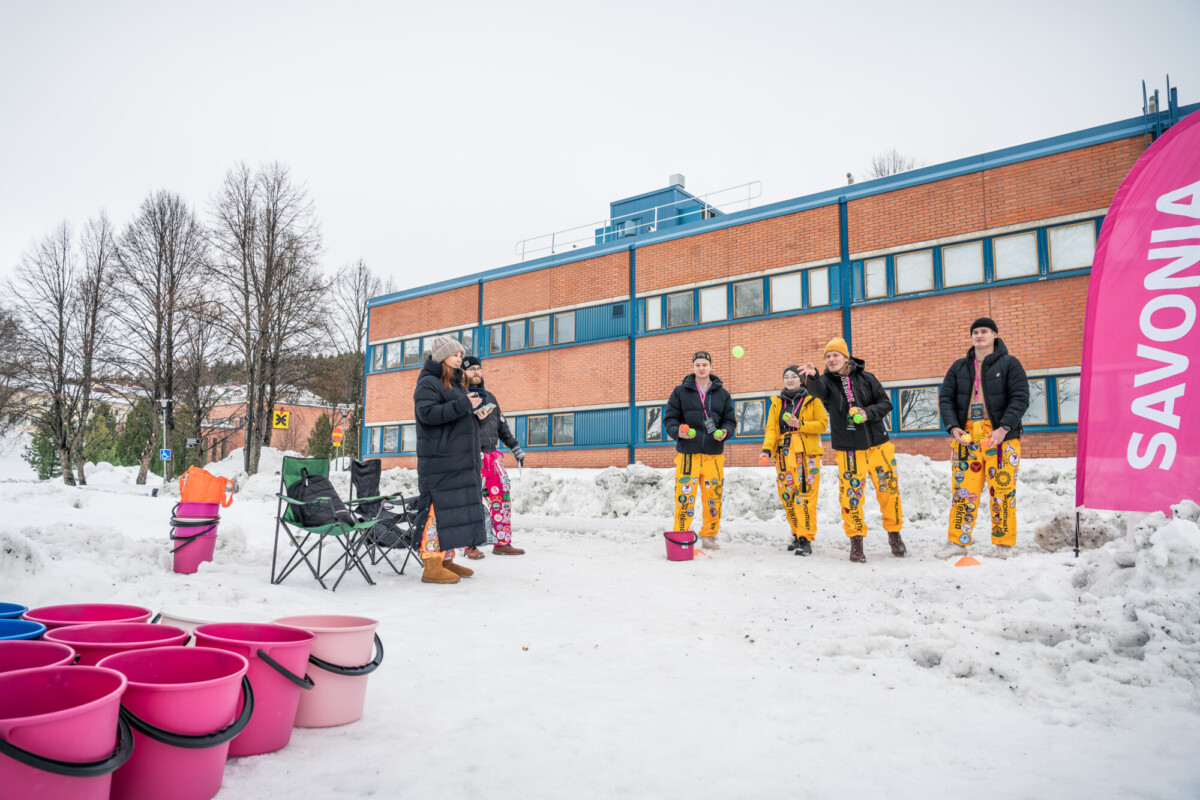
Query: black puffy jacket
(684, 408)
(448, 460)
(869, 395)
(493, 428)
(1003, 383)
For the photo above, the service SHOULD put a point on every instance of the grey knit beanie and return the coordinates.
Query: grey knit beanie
(442, 347)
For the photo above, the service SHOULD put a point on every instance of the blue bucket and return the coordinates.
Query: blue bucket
(20, 629)
(12, 610)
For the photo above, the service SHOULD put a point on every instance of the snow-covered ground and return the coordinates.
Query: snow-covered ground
(593, 667)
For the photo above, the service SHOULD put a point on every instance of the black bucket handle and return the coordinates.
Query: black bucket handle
(305, 683)
(365, 669)
(695, 538)
(91, 769)
(199, 741)
(189, 538)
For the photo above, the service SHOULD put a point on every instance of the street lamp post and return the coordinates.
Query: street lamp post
(255, 336)
(163, 402)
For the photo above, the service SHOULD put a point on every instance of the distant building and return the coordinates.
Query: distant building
(292, 421)
(584, 347)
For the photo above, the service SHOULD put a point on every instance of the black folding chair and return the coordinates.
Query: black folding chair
(393, 529)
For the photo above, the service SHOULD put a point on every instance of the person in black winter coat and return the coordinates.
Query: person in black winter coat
(857, 404)
(700, 417)
(497, 490)
(449, 512)
(982, 400)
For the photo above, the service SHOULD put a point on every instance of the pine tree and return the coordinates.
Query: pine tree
(320, 441)
(42, 454)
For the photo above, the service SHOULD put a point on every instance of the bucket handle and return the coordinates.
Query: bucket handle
(695, 538)
(157, 617)
(200, 741)
(91, 769)
(188, 539)
(304, 683)
(365, 669)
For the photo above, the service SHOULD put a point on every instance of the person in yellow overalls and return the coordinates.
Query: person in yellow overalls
(700, 417)
(795, 423)
(982, 400)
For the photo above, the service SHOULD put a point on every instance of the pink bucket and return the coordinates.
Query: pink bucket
(191, 549)
(60, 734)
(94, 642)
(86, 613)
(182, 703)
(681, 545)
(342, 657)
(204, 510)
(18, 654)
(278, 656)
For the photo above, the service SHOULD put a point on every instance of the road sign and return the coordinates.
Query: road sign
(165, 454)
(279, 419)
(338, 434)
(190, 443)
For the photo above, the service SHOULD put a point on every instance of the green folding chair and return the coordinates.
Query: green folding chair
(309, 540)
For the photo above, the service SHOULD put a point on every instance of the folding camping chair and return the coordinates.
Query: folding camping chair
(392, 530)
(348, 533)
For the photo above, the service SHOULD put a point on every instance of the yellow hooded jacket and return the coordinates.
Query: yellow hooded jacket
(813, 422)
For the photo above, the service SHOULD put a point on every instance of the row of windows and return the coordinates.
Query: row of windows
(1001, 258)
(794, 291)
(541, 430)
(1052, 401)
(1020, 255)
(525, 334)
(411, 353)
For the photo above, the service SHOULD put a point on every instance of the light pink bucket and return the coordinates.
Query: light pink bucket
(342, 657)
(94, 642)
(183, 704)
(85, 614)
(278, 656)
(681, 545)
(60, 734)
(25, 654)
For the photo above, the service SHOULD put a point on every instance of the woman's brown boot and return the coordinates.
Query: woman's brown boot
(462, 572)
(435, 572)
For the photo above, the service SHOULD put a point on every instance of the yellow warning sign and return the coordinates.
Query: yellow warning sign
(279, 419)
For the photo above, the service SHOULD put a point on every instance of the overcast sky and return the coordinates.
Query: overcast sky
(433, 136)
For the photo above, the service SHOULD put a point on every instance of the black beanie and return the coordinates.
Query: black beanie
(472, 361)
(984, 322)
(793, 368)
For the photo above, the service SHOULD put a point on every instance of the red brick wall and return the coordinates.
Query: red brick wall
(389, 395)
(922, 336)
(454, 307)
(587, 281)
(778, 242)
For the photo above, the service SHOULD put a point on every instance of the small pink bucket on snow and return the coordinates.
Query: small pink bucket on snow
(341, 654)
(681, 545)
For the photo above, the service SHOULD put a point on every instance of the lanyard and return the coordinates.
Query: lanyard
(704, 399)
(849, 391)
(975, 386)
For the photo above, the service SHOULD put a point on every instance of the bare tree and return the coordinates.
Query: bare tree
(44, 294)
(891, 162)
(270, 293)
(95, 294)
(197, 384)
(354, 285)
(13, 372)
(161, 259)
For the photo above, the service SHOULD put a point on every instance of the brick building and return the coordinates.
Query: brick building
(225, 430)
(583, 348)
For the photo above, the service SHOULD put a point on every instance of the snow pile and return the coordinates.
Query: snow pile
(1095, 529)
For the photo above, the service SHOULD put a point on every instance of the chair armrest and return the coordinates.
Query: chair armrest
(358, 500)
(293, 501)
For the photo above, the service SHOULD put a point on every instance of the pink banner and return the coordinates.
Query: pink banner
(1139, 413)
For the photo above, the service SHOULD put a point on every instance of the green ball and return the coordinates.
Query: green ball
(859, 417)
(691, 433)
(738, 352)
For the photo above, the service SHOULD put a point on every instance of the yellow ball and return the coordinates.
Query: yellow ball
(738, 352)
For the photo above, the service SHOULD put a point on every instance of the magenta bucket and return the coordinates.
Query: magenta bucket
(193, 535)
(61, 736)
(86, 613)
(681, 545)
(278, 656)
(15, 655)
(95, 642)
(185, 704)
(13, 629)
(342, 657)
(12, 610)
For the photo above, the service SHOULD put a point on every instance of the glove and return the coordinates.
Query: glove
(685, 432)
(764, 458)
(720, 434)
(519, 455)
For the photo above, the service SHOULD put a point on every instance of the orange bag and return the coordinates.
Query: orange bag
(201, 486)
